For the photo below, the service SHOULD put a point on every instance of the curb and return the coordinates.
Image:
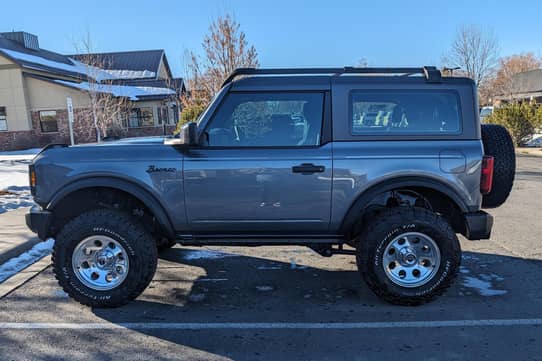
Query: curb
(23, 276)
(535, 152)
(18, 249)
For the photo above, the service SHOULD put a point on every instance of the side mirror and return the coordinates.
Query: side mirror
(187, 136)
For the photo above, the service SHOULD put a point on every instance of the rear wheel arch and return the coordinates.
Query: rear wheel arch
(121, 188)
(441, 195)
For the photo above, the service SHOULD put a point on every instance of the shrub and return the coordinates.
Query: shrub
(518, 118)
(190, 113)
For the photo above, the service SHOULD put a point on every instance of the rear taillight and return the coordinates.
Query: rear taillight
(487, 174)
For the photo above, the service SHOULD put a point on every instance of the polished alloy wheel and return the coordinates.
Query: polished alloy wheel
(411, 259)
(100, 262)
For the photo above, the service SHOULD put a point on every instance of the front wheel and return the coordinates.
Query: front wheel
(408, 255)
(103, 258)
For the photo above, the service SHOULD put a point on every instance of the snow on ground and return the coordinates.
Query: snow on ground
(26, 259)
(14, 188)
(484, 287)
(482, 283)
(205, 254)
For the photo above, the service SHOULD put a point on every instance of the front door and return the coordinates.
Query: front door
(262, 168)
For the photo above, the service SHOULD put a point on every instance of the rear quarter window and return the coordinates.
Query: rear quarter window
(405, 112)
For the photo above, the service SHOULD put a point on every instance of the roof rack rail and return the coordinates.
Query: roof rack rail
(431, 73)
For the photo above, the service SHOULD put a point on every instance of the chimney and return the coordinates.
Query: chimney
(27, 40)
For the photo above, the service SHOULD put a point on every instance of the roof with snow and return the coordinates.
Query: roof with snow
(38, 59)
(133, 74)
(128, 64)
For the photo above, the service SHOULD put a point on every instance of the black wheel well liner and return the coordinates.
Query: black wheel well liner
(132, 189)
(358, 207)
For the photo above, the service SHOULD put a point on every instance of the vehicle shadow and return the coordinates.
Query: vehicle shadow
(202, 286)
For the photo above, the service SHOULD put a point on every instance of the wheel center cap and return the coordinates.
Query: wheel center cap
(408, 256)
(105, 259)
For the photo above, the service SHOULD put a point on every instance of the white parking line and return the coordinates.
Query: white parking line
(273, 325)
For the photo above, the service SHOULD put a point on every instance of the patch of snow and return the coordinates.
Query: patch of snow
(14, 187)
(26, 259)
(269, 267)
(60, 294)
(196, 297)
(131, 74)
(484, 287)
(25, 154)
(294, 265)
(14, 173)
(211, 279)
(205, 254)
(467, 257)
(132, 92)
(264, 288)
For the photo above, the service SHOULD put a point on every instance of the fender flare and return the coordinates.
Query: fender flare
(134, 189)
(361, 202)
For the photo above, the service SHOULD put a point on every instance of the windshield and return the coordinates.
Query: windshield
(204, 113)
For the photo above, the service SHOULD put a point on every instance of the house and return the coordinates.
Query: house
(35, 84)
(525, 86)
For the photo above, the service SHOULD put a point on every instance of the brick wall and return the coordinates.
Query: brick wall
(83, 130)
(150, 131)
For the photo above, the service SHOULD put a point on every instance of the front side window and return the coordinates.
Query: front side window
(267, 120)
(48, 121)
(3, 119)
(404, 112)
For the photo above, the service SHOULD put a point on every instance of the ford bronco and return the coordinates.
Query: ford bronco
(387, 164)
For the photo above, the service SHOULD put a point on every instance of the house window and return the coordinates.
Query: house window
(48, 121)
(3, 119)
(163, 115)
(140, 117)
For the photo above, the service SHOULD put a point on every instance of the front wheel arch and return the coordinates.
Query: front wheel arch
(135, 191)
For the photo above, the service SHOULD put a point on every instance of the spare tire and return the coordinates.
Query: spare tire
(498, 143)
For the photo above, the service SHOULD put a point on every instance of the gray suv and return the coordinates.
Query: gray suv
(387, 164)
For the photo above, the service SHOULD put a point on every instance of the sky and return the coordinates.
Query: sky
(286, 33)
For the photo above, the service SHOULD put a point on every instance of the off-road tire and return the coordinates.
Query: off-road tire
(498, 143)
(388, 225)
(138, 243)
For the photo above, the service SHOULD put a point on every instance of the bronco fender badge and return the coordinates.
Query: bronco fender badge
(154, 169)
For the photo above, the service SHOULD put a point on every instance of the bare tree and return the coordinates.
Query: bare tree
(503, 84)
(225, 48)
(107, 106)
(475, 52)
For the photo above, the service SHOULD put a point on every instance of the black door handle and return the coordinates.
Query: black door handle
(308, 168)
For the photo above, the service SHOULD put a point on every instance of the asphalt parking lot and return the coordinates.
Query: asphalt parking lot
(291, 304)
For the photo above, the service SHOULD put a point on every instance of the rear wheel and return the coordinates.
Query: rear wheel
(408, 255)
(103, 258)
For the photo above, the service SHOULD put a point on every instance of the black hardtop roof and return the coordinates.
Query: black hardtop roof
(321, 78)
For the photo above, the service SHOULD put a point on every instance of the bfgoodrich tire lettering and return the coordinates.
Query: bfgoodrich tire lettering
(386, 227)
(138, 244)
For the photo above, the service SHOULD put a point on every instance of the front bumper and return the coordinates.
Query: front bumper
(478, 225)
(39, 221)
